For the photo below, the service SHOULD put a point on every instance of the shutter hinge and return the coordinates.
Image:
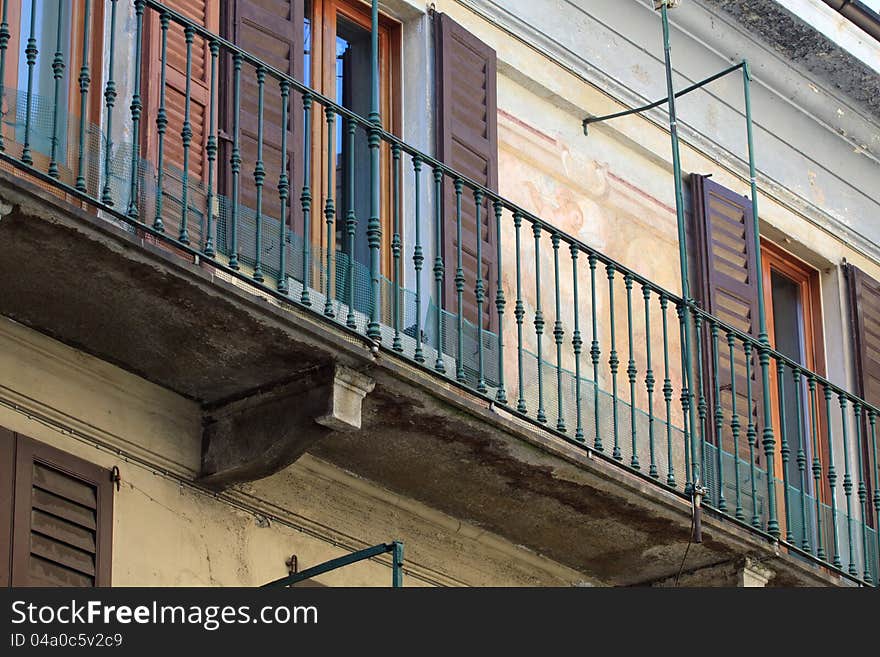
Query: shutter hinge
(116, 477)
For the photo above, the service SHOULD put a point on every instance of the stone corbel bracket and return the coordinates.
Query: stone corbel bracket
(256, 436)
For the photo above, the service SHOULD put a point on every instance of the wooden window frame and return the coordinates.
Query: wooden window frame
(774, 258)
(323, 78)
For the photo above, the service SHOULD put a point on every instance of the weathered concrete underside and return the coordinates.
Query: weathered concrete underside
(92, 285)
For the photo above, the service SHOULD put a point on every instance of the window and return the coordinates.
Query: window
(56, 513)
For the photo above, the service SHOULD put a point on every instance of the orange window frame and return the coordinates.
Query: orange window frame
(774, 258)
(323, 76)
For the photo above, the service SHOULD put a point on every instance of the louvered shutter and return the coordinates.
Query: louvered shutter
(467, 141)
(864, 296)
(62, 519)
(272, 31)
(727, 288)
(204, 13)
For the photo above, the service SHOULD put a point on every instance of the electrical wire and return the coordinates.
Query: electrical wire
(690, 539)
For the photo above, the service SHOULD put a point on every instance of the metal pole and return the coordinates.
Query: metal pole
(374, 227)
(682, 247)
(397, 565)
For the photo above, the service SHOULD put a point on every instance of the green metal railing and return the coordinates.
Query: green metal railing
(696, 406)
(395, 548)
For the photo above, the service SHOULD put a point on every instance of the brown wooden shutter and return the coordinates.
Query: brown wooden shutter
(62, 521)
(272, 31)
(7, 490)
(864, 303)
(727, 288)
(204, 13)
(467, 141)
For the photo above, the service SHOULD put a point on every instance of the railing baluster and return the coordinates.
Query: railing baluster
(832, 480)
(558, 334)
(667, 392)
(817, 466)
(595, 353)
(701, 397)
(734, 432)
(4, 45)
(785, 452)
(752, 433)
(872, 419)
(161, 124)
(576, 345)
(351, 226)
(186, 137)
(500, 303)
(519, 313)
(478, 289)
(84, 82)
(58, 74)
(847, 484)
(135, 111)
(374, 226)
(109, 101)
(801, 455)
(330, 212)
(259, 177)
(649, 382)
(305, 199)
(396, 343)
(862, 490)
(613, 364)
(539, 322)
(31, 53)
(721, 503)
(631, 373)
(438, 267)
(235, 163)
(685, 399)
(418, 255)
(283, 185)
(459, 285)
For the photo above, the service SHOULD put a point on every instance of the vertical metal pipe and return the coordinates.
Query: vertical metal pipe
(330, 212)
(283, 185)
(479, 288)
(595, 353)
(702, 407)
(396, 343)
(519, 313)
(351, 224)
(734, 431)
(539, 323)
(719, 431)
(136, 113)
(613, 364)
(439, 269)
(631, 373)
(459, 285)
(752, 433)
(817, 465)
(260, 176)
(801, 456)
(667, 393)
(685, 399)
(650, 381)
(832, 480)
(785, 452)
(847, 485)
(374, 227)
(418, 255)
(397, 565)
(4, 45)
(558, 334)
(576, 345)
(58, 74)
(862, 491)
(305, 199)
(872, 419)
(161, 125)
(235, 161)
(84, 82)
(31, 53)
(500, 303)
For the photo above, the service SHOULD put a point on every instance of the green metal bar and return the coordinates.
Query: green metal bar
(395, 548)
(84, 82)
(260, 177)
(459, 286)
(186, 137)
(161, 125)
(283, 187)
(374, 226)
(31, 53)
(667, 393)
(558, 335)
(235, 164)
(58, 74)
(801, 457)
(519, 313)
(631, 373)
(539, 324)
(692, 473)
(678, 94)
(4, 45)
(136, 108)
(351, 223)
(595, 353)
(847, 485)
(784, 448)
(832, 480)
(613, 364)
(763, 351)
(500, 303)
(396, 343)
(872, 420)
(650, 381)
(479, 291)
(685, 399)
(734, 431)
(817, 466)
(330, 212)
(109, 101)
(719, 432)
(702, 407)
(397, 565)
(862, 490)
(418, 255)
(752, 432)
(438, 268)
(577, 345)
(305, 199)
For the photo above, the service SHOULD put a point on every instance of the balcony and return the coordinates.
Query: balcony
(543, 396)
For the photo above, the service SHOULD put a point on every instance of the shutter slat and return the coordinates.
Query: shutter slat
(62, 485)
(467, 141)
(60, 530)
(65, 555)
(48, 573)
(62, 508)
